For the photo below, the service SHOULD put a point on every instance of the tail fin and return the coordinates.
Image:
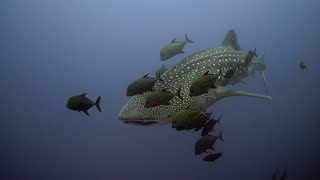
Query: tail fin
(97, 103)
(187, 40)
(263, 75)
(178, 93)
(220, 136)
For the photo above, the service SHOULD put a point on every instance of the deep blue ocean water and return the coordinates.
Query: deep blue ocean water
(50, 50)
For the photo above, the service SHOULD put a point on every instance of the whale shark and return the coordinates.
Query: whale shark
(228, 55)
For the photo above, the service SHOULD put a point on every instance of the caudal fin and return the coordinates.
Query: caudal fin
(187, 40)
(97, 103)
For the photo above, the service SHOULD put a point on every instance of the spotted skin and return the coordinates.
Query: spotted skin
(184, 73)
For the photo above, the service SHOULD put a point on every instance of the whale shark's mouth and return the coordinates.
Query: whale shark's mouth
(146, 122)
(141, 122)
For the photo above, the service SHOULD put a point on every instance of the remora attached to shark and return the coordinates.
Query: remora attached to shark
(227, 56)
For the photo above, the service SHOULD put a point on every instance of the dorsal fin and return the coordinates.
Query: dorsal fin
(231, 40)
(84, 94)
(145, 76)
(173, 40)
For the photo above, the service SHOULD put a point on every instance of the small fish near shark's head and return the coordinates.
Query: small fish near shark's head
(221, 59)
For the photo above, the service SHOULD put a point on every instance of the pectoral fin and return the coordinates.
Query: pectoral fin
(86, 113)
(231, 92)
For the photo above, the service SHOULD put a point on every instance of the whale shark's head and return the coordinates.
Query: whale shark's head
(134, 112)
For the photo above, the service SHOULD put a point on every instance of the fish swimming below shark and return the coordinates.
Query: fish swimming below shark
(227, 56)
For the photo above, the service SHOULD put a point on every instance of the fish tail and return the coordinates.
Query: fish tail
(178, 93)
(97, 103)
(187, 40)
(220, 136)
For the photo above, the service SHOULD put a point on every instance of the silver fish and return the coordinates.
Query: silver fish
(225, 57)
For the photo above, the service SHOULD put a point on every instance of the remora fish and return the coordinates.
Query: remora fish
(228, 55)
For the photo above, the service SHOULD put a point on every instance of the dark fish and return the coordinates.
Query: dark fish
(82, 103)
(173, 48)
(206, 142)
(212, 157)
(181, 118)
(202, 84)
(142, 85)
(249, 56)
(162, 97)
(229, 74)
(284, 175)
(302, 65)
(198, 121)
(208, 127)
(275, 174)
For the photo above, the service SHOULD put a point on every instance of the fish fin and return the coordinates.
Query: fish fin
(181, 52)
(206, 73)
(202, 111)
(264, 81)
(84, 94)
(220, 136)
(86, 113)
(219, 120)
(187, 40)
(97, 103)
(231, 40)
(231, 92)
(262, 73)
(173, 40)
(164, 89)
(254, 52)
(188, 107)
(178, 93)
(145, 76)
